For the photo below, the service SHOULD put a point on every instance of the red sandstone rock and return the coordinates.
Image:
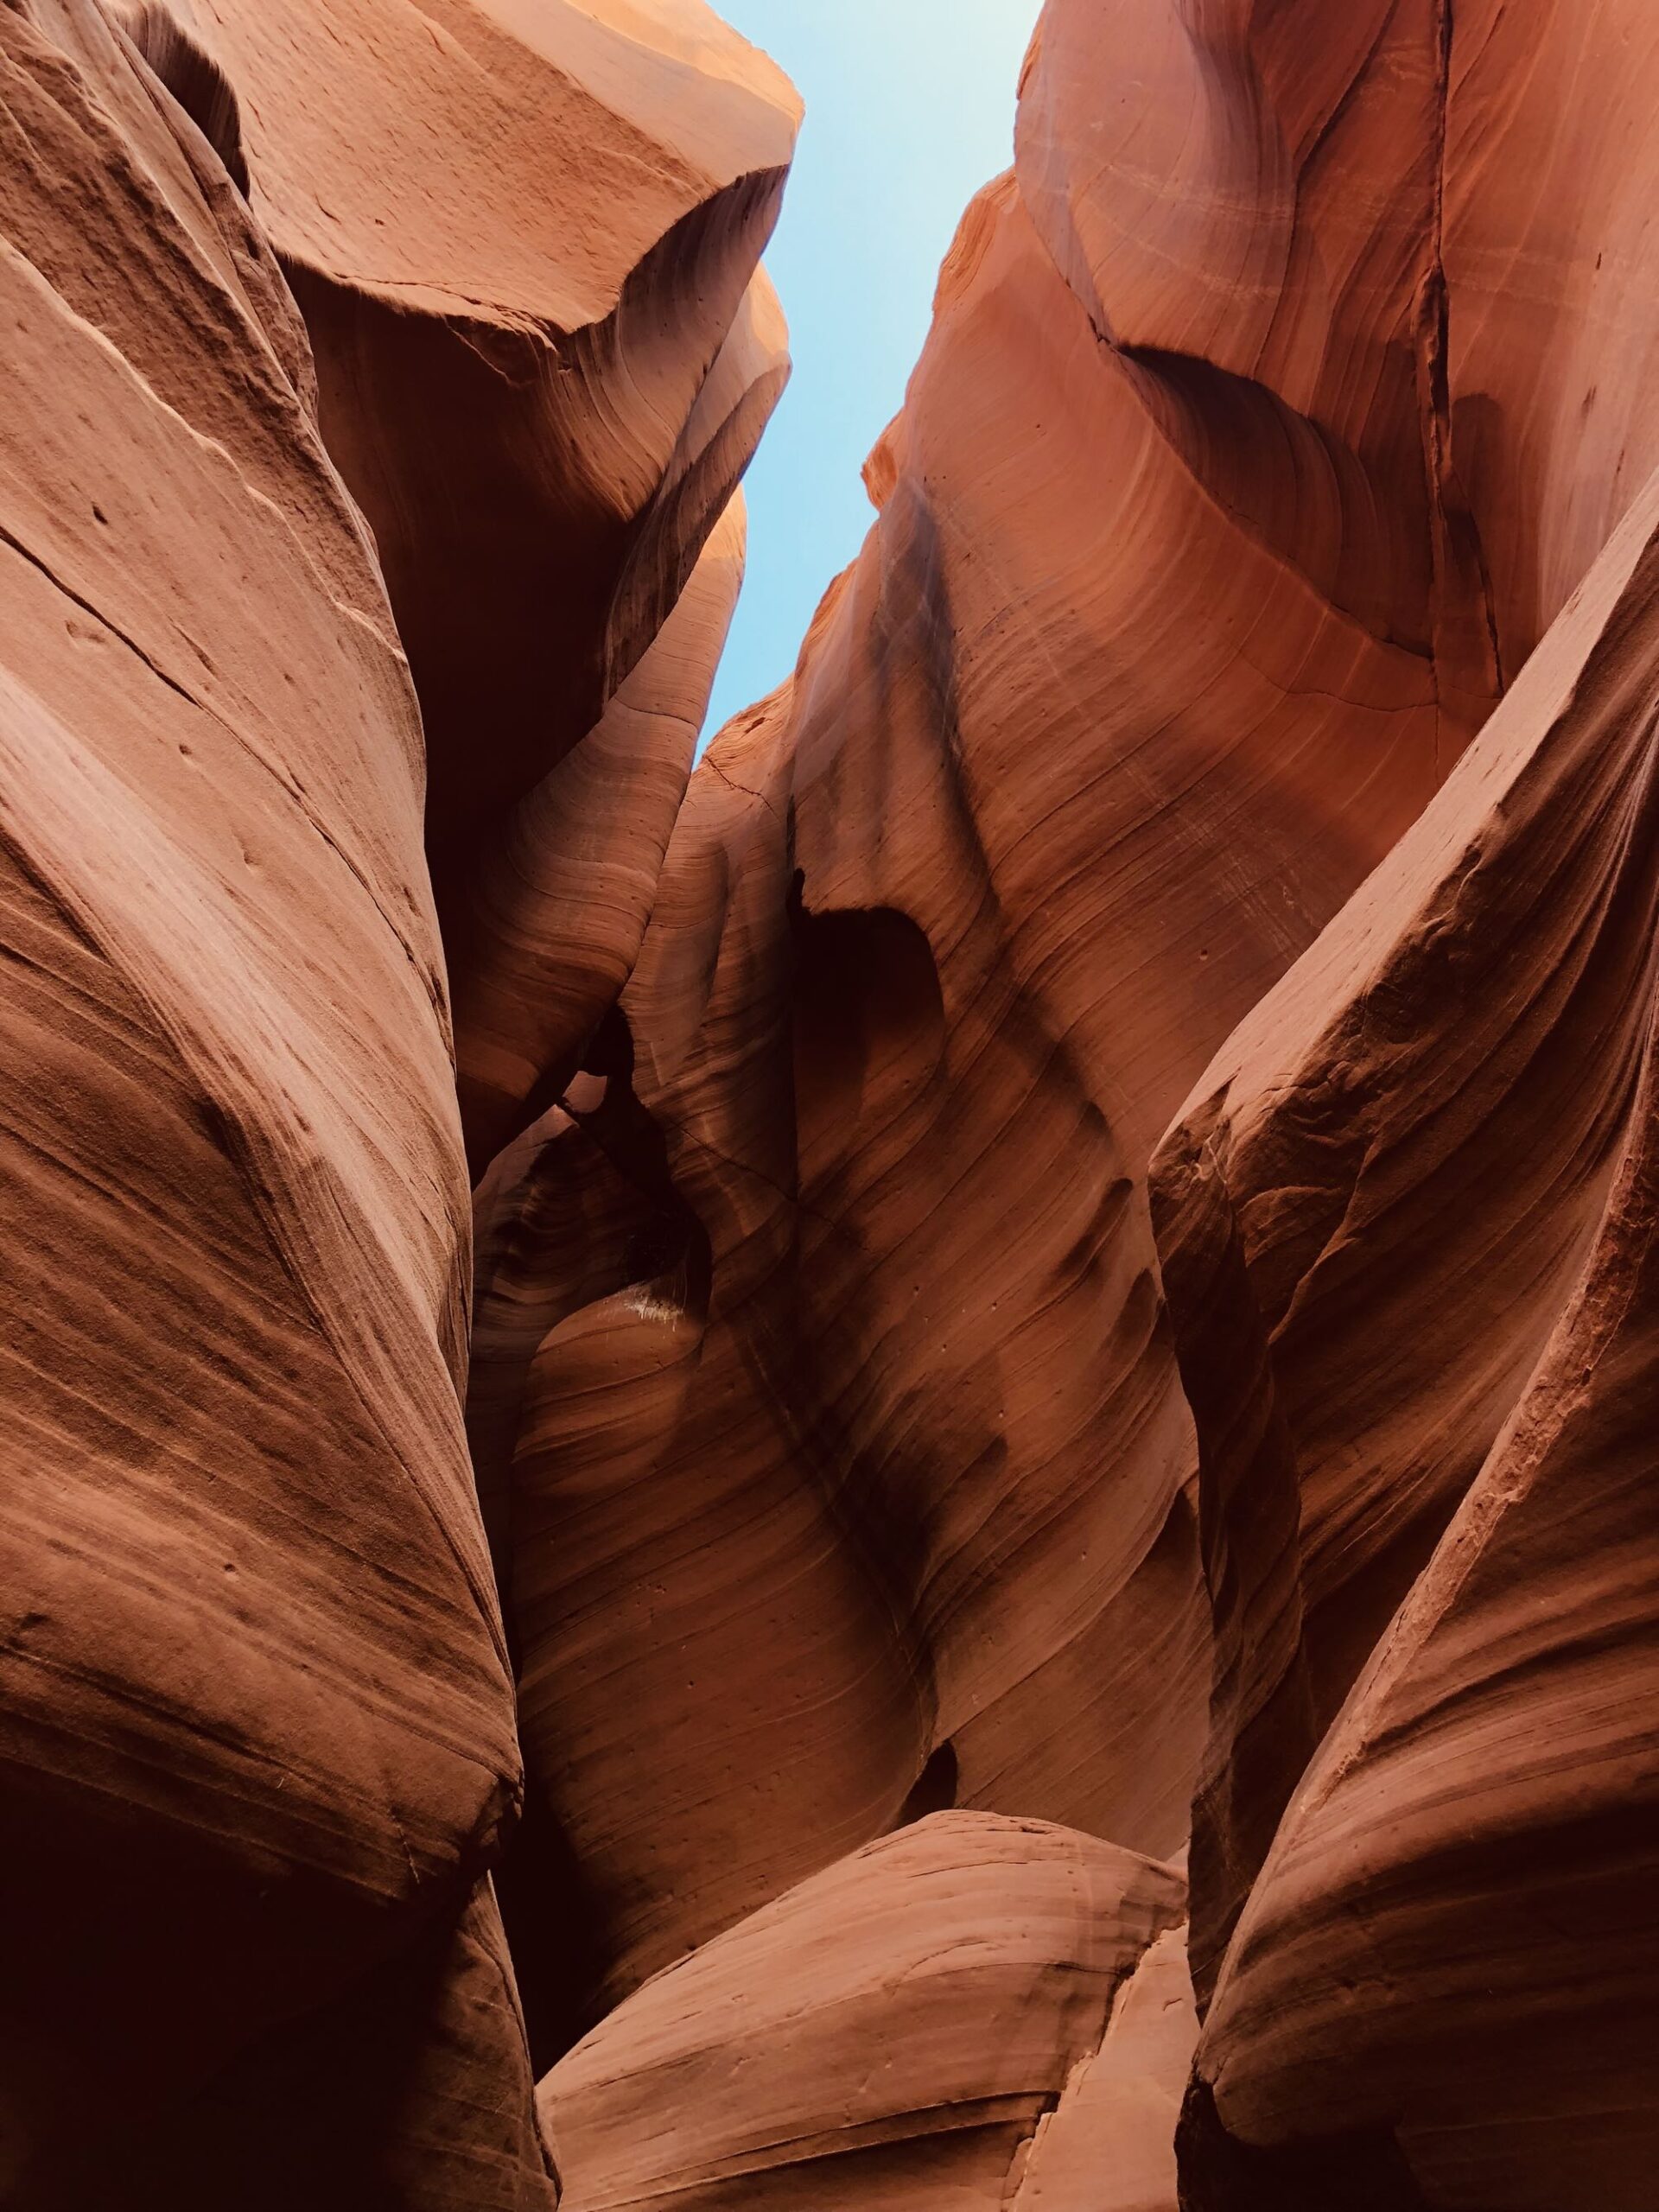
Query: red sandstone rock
(890, 2033)
(823, 1320)
(665, 1556)
(1408, 1225)
(260, 1668)
(1371, 1210)
(524, 237)
(824, 1408)
(555, 921)
(1109, 2145)
(1149, 659)
(256, 1710)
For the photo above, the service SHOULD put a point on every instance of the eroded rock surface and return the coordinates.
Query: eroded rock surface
(1175, 616)
(921, 1483)
(890, 2032)
(258, 1713)
(822, 1315)
(554, 925)
(1407, 1227)
(525, 240)
(1109, 2144)
(261, 1744)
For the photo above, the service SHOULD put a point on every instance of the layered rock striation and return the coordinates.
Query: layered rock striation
(1233, 488)
(256, 1697)
(257, 1705)
(1408, 1226)
(525, 241)
(1177, 613)
(671, 1431)
(897, 2030)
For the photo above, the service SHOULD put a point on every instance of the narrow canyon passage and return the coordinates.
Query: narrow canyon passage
(913, 1468)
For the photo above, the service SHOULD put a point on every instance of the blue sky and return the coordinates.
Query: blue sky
(910, 109)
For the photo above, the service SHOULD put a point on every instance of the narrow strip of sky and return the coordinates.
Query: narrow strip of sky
(909, 109)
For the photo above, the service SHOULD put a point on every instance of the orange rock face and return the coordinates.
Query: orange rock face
(255, 1698)
(256, 1711)
(524, 238)
(675, 1431)
(548, 949)
(1408, 1226)
(1173, 619)
(1370, 1218)
(890, 2032)
(1237, 482)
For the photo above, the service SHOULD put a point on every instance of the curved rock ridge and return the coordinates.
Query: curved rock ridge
(1173, 621)
(1422, 229)
(1258, 229)
(524, 238)
(665, 1558)
(896, 1484)
(255, 1712)
(1409, 1228)
(555, 922)
(890, 2033)
(1372, 1210)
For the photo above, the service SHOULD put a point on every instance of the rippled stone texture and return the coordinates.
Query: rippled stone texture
(1409, 1228)
(555, 921)
(257, 1713)
(1275, 402)
(907, 1464)
(259, 1709)
(1173, 621)
(525, 240)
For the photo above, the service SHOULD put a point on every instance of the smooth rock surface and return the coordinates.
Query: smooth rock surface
(907, 1482)
(1373, 1208)
(1408, 1228)
(555, 922)
(828, 1307)
(525, 240)
(667, 1558)
(1149, 658)
(889, 2033)
(256, 1714)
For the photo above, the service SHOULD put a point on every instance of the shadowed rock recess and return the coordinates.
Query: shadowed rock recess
(1009, 1557)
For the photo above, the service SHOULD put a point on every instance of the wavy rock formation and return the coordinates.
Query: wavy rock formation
(890, 2032)
(824, 1309)
(1409, 1229)
(525, 240)
(905, 1484)
(257, 1719)
(1172, 623)
(1372, 1211)
(259, 1667)
(555, 922)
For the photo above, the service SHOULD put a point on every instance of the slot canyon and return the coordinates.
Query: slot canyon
(901, 1468)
